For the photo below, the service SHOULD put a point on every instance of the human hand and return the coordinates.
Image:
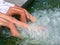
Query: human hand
(11, 26)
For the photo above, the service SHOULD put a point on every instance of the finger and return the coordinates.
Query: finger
(5, 17)
(11, 19)
(6, 23)
(3, 20)
(30, 17)
(9, 24)
(2, 23)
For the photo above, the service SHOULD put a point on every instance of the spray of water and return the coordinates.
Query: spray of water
(51, 36)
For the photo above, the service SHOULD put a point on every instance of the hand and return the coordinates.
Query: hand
(12, 27)
(13, 20)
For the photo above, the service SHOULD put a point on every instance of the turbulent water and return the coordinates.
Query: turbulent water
(47, 13)
(51, 35)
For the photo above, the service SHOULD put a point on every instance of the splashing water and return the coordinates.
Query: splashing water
(51, 36)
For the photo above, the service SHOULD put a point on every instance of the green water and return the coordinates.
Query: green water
(43, 4)
(36, 5)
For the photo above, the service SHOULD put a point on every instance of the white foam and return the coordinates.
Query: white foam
(51, 36)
